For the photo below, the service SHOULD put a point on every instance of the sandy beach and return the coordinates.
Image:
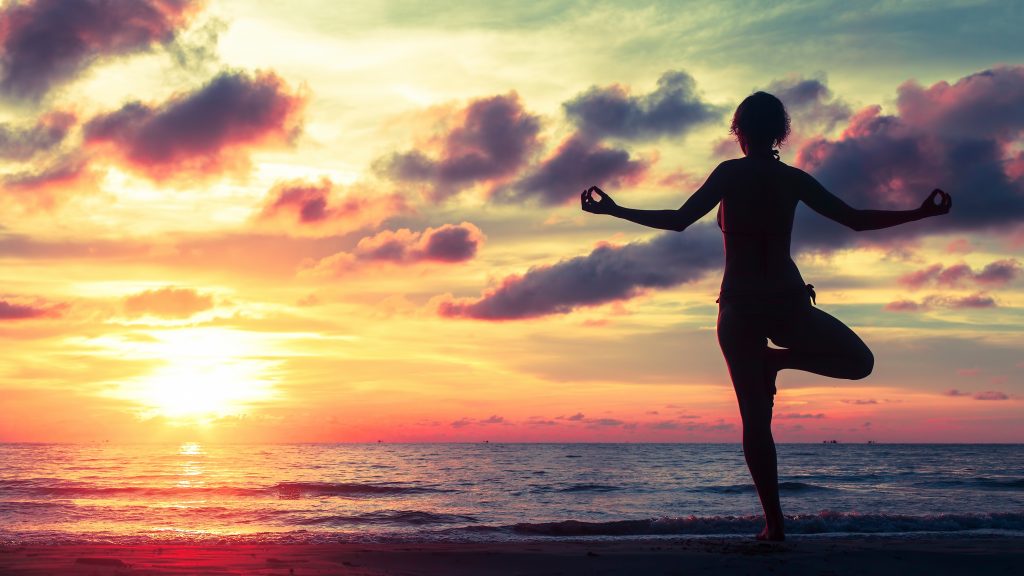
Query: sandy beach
(844, 555)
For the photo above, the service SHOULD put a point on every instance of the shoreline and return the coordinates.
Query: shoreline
(799, 555)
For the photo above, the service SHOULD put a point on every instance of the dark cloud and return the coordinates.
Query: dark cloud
(44, 43)
(957, 137)
(800, 416)
(720, 426)
(605, 422)
(607, 274)
(977, 300)
(810, 104)
(493, 419)
(955, 392)
(903, 306)
(9, 311)
(991, 395)
(49, 183)
(449, 243)
(24, 142)
(860, 402)
(168, 302)
(576, 164)
(302, 205)
(671, 109)
(203, 132)
(997, 273)
(494, 139)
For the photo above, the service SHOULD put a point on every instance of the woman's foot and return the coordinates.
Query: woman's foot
(768, 535)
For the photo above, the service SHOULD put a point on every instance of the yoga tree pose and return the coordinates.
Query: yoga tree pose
(763, 295)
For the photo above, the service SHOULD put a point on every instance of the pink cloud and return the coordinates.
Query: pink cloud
(17, 311)
(991, 395)
(952, 136)
(168, 302)
(450, 243)
(608, 274)
(305, 207)
(490, 140)
(201, 133)
(45, 43)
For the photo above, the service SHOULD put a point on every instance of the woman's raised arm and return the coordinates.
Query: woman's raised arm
(699, 204)
(831, 206)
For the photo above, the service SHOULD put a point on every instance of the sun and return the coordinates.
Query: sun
(201, 374)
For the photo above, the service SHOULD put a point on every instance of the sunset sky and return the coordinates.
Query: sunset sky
(325, 221)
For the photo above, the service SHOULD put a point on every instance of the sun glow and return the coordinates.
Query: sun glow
(202, 373)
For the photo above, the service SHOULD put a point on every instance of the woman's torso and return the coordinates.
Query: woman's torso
(756, 217)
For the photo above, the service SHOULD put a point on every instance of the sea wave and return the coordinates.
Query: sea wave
(582, 487)
(381, 527)
(791, 487)
(981, 482)
(389, 517)
(45, 487)
(825, 522)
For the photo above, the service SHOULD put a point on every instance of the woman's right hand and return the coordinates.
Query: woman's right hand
(603, 206)
(930, 208)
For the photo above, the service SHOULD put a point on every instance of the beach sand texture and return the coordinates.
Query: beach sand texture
(878, 556)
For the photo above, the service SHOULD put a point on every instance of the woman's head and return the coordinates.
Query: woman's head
(760, 122)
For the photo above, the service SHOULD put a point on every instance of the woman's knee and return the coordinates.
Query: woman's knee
(863, 364)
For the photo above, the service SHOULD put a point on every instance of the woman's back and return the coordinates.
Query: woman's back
(756, 216)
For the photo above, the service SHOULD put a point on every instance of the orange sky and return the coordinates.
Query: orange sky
(227, 221)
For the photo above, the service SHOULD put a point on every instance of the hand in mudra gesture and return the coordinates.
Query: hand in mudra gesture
(932, 208)
(602, 206)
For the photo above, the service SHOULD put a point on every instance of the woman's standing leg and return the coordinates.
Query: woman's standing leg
(744, 346)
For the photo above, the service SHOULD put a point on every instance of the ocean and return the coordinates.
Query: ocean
(311, 493)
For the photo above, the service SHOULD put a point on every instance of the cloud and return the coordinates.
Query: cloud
(996, 273)
(45, 43)
(13, 311)
(991, 395)
(977, 300)
(577, 163)
(493, 419)
(493, 138)
(671, 109)
(168, 302)
(201, 133)
(450, 243)
(46, 185)
(799, 416)
(810, 104)
(958, 137)
(24, 142)
(860, 402)
(607, 274)
(954, 392)
(307, 207)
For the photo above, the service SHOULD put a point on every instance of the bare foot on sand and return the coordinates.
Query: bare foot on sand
(767, 535)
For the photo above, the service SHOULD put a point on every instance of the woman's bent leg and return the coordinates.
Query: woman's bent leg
(814, 341)
(744, 350)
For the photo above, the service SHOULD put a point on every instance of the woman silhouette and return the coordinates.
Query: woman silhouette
(763, 295)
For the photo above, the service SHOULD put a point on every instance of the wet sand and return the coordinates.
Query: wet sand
(880, 556)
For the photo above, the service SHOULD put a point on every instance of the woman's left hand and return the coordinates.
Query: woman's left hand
(930, 208)
(603, 206)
